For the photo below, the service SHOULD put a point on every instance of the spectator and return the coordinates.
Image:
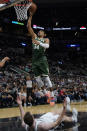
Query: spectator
(23, 96)
(29, 86)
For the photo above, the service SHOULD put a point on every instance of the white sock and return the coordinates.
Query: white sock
(47, 81)
(68, 107)
(75, 114)
(39, 81)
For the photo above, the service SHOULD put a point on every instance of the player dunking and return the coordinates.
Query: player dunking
(49, 120)
(39, 60)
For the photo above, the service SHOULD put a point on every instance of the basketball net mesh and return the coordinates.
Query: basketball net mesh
(21, 10)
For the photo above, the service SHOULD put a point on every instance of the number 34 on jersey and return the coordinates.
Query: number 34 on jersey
(36, 47)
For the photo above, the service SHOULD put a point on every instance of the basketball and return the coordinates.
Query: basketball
(33, 8)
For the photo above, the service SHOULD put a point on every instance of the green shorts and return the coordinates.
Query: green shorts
(40, 68)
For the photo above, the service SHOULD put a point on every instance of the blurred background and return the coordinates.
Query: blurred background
(65, 23)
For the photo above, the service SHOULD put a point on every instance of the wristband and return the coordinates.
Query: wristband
(45, 45)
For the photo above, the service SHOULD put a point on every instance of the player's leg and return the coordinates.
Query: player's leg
(45, 73)
(39, 81)
(37, 74)
(47, 81)
(68, 107)
(66, 118)
(73, 118)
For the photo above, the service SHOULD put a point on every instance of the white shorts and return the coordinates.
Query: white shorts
(49, 117)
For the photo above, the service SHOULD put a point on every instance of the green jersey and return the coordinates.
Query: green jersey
(38, 52)
(39, 60)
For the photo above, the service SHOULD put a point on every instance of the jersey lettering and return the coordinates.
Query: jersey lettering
(36, 47)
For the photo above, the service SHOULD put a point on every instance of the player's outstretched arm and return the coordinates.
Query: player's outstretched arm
(48, 126)
(2, 63)
(32, 10)
(19, 102)
(30, 30)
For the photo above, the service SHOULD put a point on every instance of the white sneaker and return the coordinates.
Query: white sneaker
(68, 108)
(75, 114)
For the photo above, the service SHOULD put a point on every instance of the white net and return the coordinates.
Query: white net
(21, 10)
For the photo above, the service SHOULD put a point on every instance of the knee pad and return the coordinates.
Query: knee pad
(39, 81)
(47, 81)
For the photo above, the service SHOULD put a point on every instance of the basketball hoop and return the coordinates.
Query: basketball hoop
(21, 10)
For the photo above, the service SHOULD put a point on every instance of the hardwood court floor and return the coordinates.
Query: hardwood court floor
(40, 109)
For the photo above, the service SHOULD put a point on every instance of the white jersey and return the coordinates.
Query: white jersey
(29, 84)
(46, 118)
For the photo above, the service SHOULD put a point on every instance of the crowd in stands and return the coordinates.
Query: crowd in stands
(68, 79)
(13, 84)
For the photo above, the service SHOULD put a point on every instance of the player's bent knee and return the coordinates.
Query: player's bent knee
(48, 81)
(39, 82)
